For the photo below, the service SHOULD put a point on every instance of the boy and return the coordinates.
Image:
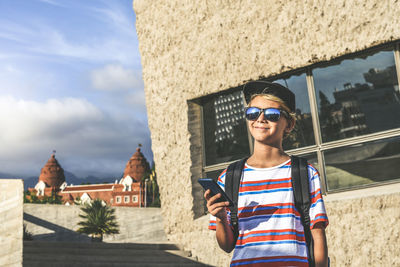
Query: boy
(270, 230)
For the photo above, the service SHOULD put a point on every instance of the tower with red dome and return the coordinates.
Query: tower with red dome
(52, 174)
(137, 166)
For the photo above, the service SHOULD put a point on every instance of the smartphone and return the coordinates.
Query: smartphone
(208, 183)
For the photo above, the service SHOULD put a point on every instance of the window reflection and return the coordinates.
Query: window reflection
(358, 96)
(214, 174)
(225, 128)
(312, 159)
(363, 163)
(303, 133)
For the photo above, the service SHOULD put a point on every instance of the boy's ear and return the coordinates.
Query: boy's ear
(290, 126)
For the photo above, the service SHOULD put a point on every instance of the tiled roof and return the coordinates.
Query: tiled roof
(89, 187)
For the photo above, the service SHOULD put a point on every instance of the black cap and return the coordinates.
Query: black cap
(264, 87)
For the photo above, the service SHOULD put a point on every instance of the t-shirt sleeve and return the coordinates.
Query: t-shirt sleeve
(221, 182)
(317, 209)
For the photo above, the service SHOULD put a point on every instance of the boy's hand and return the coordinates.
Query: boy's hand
(216, 209)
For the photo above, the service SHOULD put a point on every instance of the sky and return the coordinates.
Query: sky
(70, 81)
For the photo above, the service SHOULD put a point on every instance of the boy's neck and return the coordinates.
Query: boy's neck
(266, 156)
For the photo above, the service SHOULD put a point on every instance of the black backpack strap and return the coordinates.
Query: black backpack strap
(232, 184)
(301, 192)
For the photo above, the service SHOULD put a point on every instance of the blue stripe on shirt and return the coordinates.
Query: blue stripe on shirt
(265, 191)
(266, 183)
(268, 234)
(316, 202)
(267, 217)
(253, 209)
(301, 243)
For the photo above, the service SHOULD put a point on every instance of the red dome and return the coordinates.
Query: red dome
(137, 166)
(52, 174)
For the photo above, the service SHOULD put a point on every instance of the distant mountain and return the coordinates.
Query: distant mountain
(8, 175)
(30, 182)
(70, 178)
(103, 180)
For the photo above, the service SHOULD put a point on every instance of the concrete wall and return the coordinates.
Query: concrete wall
(193, 48)
(59, 223)
(11, 231)
(364, 227)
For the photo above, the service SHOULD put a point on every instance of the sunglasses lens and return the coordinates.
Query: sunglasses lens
(252, 113)
(272, 114)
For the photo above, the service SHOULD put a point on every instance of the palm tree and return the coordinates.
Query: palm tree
(99, 219)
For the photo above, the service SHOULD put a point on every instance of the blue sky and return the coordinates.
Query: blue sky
(70, 81)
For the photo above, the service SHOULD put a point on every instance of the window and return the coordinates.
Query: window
(126, 199)
(362, 164)
(303, 133)
(348, 120)
(225, 135)
(135, 199)
(118, 199)
(358, 96)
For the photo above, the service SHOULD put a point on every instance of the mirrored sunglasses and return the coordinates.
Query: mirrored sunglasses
(271, 114)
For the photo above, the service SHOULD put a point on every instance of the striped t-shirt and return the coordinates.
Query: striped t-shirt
(270, 230)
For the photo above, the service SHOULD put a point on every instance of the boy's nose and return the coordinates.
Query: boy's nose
(261, 118)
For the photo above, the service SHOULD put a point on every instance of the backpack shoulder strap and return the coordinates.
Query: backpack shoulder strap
(300, 184)
(232, 184)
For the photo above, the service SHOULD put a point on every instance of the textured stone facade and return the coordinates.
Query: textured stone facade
(190, 49)
(11, 231)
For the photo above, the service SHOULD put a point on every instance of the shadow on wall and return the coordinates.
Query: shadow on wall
(56, 232)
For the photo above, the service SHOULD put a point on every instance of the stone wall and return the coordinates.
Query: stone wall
(190, 49)
(364, 230)
(11, 231)
(59, 223)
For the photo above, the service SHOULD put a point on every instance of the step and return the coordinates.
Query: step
(110, 264)
(98, 254)
(145, 255)
(104, 251)
(137, 246)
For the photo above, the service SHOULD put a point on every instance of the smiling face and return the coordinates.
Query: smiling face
(264, 131)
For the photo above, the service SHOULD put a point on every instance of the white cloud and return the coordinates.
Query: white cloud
(119, 17)
(114, 77)
(24, 120)
(86, 139)
(40, 37)
(52, 2)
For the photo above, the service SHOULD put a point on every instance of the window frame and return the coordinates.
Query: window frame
(320, 147)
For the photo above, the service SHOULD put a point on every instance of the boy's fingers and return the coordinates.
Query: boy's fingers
(214, 198)
(207, 194)
(217, 205)
(214, 212)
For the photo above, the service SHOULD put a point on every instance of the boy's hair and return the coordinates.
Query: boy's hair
(274, 98)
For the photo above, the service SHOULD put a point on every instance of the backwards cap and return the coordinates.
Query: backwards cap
(268, 88)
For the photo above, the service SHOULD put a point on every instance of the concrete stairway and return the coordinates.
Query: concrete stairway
(46, 254)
